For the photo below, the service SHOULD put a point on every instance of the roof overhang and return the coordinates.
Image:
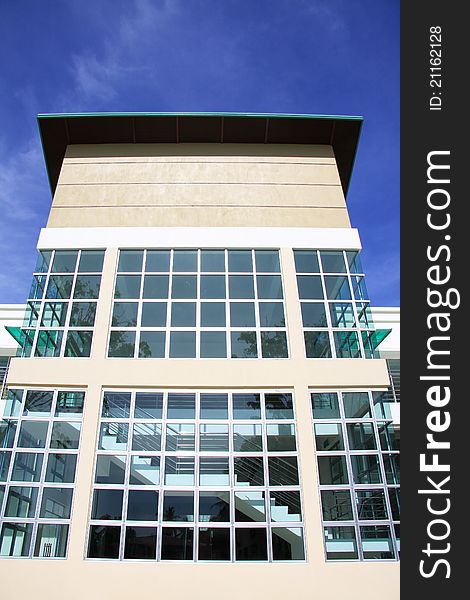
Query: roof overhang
(59, 130)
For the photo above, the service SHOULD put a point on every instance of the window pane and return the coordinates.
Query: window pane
(246, 406)
(54, 314)
(250, 506)
(244, 344)
(212, 314)
(310, 287)
(332, 261)
(113, 436)
(32, 434)
(91, 261)
(340, 543)
(281, 438)
(179, 471)
(371, 505)
(142, 505)
(180, 437)
(48, 343)
(107, 505)
(185, 261)
(155, 286)
(178, 506)
(177, 543)
(154, 314)
(332, 470)
(214, 471)
(376, 542)
(13, 403)
(336, 505)
(288, 543)
(15, 539)
(247, 438)
(124, 314)
(51, 541)
(78, 344)
(83, 314)
(158, 261)
(116, 405)
(183, 314)
(141, 543)
(337, 288)
(342, 314)
(214, 544)
(354, 261)
(21, 502)
(242, 314)
(182, 344)
(214, 506)
(104, 542)
(317, 344)
(359, 288)
(313, 314)
(4, 465)
(127, 286)
(394, 498)
(147, 436)
(7, 433)
(389, 436)
(213, 286)
(61, 468)
(64, 261)
(184, 286)
(241, 286)
(325, 405)
(283, 470)
(31, 314)
(249, 471)
(121, 344)
(271, 314)
(366, 469)
(240, 261)
(181, 406)
(213, 344)
(356, 405)
(274, 344)
(37, 287)
(130, 260)
(43, 261)
(213, 438)
(110, 469)
(27, 466)
(152, 344)
(70, 404)
(267, 261)
(285, 506)
(279, 406)
(269, 287)
(87, 286)
(306, 261)
(65, 435)
(145, 470)
(392, 467)
(148, 405)
(250, 544)
(213, 260)
(328, 437)
(214, 406)
(347, 344)
(361, 436)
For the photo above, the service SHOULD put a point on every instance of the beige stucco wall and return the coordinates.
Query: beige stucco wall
(218, 185)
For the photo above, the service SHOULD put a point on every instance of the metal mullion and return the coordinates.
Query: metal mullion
(256, 303)
(169, 305)
(41, 308)
(228, 336)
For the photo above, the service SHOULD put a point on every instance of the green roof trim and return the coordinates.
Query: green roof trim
(58, 130)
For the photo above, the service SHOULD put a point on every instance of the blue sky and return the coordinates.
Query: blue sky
(294, 56)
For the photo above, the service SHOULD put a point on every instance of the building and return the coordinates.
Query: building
(198, 405)
(12, 315)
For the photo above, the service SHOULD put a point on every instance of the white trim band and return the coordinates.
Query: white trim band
(199, 237)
